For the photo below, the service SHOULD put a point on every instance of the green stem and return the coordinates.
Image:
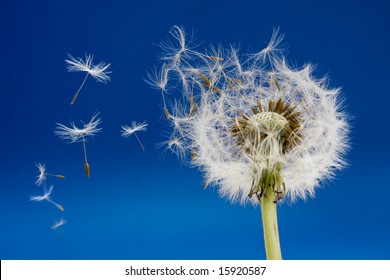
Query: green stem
(270, 226)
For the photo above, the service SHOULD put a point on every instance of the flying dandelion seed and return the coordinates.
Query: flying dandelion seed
(158, 79)
(262, 130)
(75, 134)
(43, 174)
(175, 145)
(98, 71)
(129, 130)
(46, 196)
(58, 224)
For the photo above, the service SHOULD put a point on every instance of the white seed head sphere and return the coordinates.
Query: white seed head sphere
(218, 98)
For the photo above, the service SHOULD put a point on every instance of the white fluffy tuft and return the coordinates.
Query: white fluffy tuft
(214, 87)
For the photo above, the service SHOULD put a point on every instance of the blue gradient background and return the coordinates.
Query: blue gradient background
(144, 205)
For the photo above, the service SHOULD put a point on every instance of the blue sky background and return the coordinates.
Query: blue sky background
(142, 205)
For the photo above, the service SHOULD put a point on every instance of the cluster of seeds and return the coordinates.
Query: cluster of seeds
(250, 122)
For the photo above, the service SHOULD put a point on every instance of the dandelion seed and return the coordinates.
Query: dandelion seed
(58, 224)
(192, 154)
(129, 130)
(43, 174)
(176, 146)
(215, 58)
(235, 83)
(46, 196)
(208, 83)
(178, 47)
(86, 168)
(99, 71)
(166, 112)
(273, 49)
(75, 134)
(193, 106)
(206, 183)
(273, 132)
(159, 79)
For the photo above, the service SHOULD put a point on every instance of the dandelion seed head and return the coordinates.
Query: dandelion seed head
(99, 71)
(269, 121)
(255, 118)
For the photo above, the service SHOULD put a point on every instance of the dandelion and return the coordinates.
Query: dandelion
(58, 224)
(98, 71)
(43, 174)
(129, 130)
(75, 134)
(261, 132)
(46, 196)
